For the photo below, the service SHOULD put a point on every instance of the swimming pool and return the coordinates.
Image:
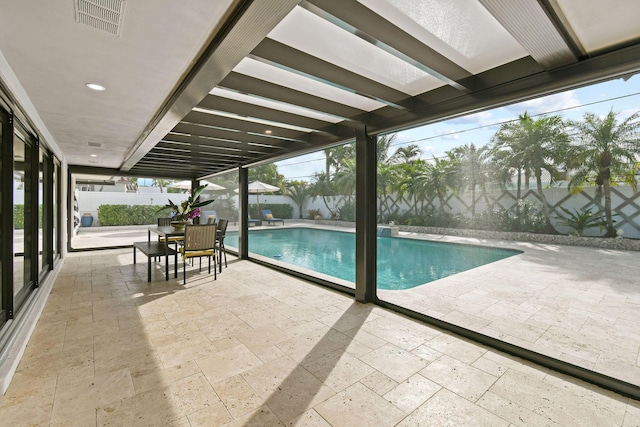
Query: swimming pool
(402, 263)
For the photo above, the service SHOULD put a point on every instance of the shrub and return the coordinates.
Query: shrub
(129, 214)
(582, 221)
(284, 211)
(347, 212)
(314, 214)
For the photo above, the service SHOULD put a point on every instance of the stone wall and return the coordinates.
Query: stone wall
(594, 242)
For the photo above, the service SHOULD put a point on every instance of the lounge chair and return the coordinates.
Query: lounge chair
(268, 216)
(255, 222)
(208, 217)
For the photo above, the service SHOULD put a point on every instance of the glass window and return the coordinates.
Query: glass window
(23, 214)
(45, 202)
(456, 198)
(57, 200)
(4, 304)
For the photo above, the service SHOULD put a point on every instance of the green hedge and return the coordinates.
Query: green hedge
(129, 214)
(284, 211)
(18, 216)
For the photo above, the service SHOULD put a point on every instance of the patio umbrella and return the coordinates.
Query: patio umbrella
(186, 185)
(259, 187)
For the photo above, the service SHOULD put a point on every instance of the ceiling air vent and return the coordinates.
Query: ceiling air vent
(103, 15)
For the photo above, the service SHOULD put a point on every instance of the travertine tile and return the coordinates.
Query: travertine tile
(159, 406)
(561, 406)
(338, 370)
(28, 400)
(259, 418)
(359, 406)
(512, 412)
(76, 401)
(632, 414)
(399, 333)
(263, 349)
(457, 348)
(448, 409)
(287, 388)
(412, 393)
(463, 379)
(237, 395)
(262, 337)
(227, 363)
(155, 376)
(214, 415)
(379, 383)
(309, 419)
(394, 362)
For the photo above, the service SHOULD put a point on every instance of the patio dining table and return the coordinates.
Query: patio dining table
(166, 232)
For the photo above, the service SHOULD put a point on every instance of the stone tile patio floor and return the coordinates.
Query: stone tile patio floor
(259, 348)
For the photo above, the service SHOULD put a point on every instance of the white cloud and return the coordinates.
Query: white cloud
(547, 104)
(449, 134)
(482, 118)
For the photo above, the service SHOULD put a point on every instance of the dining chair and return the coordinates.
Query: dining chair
(222, 230)
(199, 241)
(166, 222)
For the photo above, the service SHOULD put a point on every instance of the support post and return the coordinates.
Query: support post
(243, 213)
(366, 256)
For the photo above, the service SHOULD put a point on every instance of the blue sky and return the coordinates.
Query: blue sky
(621, 96)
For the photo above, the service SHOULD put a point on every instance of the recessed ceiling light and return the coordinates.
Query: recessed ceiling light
(93, 155)
(95, 86)
(268, 132)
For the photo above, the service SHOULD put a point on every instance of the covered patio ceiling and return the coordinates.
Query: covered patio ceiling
(279, 78)
(290, 76)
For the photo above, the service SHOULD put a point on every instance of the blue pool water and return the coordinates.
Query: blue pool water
(402, 263)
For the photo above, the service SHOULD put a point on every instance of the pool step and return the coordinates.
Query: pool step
(387, 231)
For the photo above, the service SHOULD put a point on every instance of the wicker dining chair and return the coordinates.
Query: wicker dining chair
(222, 230)
(166, 222)
(199, 241)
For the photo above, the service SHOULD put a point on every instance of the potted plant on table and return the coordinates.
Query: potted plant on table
(187, 210)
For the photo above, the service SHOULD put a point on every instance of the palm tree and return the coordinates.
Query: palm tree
(322, 186)
(410, 183)
(335, 157)
(383, 143)
(534, 146)
(345, 178)
(159, 183)
(440, 177)
(408, 154)
(474, 170)
(607, 151)
(386, 180)
(298, 192)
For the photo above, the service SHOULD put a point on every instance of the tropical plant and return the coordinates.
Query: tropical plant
(187, 209)
(314, 214)
(323, 187)
(347, 212)
(335, 157)
(407, 154)
(606, 152)
(533, 146)
(298, 192)
(439, 178)
(161, 183)
(345, 179)
(581, 221)
(474, 170)
(410, 183)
